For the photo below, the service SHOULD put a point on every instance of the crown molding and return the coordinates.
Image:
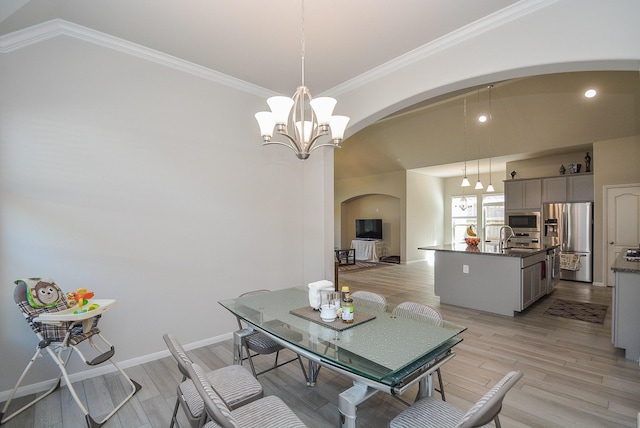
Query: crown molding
(59, 27)
(467, 32)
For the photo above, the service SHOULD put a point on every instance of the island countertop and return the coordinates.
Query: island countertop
(621, 264)
(489, 248)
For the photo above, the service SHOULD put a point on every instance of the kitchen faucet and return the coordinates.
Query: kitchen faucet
(503, 241)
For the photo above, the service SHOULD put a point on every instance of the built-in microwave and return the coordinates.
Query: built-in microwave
(524, 221)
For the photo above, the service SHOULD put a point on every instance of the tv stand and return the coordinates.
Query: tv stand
(367, 249)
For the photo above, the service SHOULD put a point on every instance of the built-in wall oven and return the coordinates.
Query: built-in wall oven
(526, 229)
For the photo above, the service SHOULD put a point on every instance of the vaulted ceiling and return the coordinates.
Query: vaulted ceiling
(259, 42)
(532, 117)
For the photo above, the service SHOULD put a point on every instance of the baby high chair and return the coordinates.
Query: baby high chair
(61, 326)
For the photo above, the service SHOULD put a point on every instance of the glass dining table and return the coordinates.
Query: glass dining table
(380, 352)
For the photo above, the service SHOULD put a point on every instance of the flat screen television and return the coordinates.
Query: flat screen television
(369, 228)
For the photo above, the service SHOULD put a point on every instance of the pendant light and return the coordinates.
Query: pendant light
(490, 186)
(479, 185)
(462, 203)
(465, 180)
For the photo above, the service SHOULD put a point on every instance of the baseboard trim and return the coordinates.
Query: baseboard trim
(35, 388)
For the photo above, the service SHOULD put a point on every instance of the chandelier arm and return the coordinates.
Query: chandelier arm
(324, 145)
(294, 144)
(280, 143)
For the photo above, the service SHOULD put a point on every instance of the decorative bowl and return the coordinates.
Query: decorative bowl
(472, 241)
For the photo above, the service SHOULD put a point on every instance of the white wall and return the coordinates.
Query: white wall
(425, 213)
(147, 185)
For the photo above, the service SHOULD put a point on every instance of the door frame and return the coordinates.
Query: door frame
(605, 223)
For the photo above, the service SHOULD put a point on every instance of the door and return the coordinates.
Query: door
(622, 223)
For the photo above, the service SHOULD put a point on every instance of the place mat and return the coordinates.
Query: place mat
(309, 314)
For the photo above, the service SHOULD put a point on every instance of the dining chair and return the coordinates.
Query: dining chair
(261, 344)
(266, 412)
(424, 313)
(235, 385)
(368, 299)
(429, 412)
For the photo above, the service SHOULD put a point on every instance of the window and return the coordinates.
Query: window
(492, 216)
(463, 215)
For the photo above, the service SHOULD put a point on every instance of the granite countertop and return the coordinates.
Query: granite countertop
(621, 264)
(489, 248)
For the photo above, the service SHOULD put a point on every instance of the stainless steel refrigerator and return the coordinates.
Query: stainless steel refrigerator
(570, 225)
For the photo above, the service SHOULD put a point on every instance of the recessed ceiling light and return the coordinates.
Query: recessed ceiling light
(590, 93)
(482, 118)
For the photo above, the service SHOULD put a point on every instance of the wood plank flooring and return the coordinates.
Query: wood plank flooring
(573, 376)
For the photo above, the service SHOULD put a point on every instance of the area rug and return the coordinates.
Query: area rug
(589, 312)
(358, 266)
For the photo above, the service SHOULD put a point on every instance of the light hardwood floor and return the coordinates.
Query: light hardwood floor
(573, 376)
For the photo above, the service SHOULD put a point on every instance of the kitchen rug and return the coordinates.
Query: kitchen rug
(589, 312)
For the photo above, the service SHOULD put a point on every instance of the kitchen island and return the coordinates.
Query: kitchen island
(484, 278)
(626, 300)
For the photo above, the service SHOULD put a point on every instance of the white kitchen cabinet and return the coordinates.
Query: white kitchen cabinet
(568, 188)
(528, 277)
(580, 188)
(626, 300)
(554, 189)
(533, 286)
(523, 194)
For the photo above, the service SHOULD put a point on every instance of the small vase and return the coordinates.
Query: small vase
(587, 163)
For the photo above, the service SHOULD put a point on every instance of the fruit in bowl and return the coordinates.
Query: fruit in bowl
(472, 241)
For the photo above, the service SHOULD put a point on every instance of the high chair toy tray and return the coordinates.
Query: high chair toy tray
(69, 315)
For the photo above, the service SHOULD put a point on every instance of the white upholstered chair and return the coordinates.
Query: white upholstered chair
(420, 312)
(432, 413)
(235, 384)
(267, 412)
(367, 299)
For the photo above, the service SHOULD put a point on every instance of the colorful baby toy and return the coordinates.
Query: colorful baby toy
(80, 298)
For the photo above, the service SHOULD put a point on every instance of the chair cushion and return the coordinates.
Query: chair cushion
(269, 412)
(428, 413)
(262, 344)
(234, 384)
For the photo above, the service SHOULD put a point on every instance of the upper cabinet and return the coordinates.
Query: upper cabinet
(569, 188)
(580, 188)
(523, 194)
(554, 189)
(530, 194)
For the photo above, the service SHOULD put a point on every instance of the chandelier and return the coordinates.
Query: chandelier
(301, 119)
